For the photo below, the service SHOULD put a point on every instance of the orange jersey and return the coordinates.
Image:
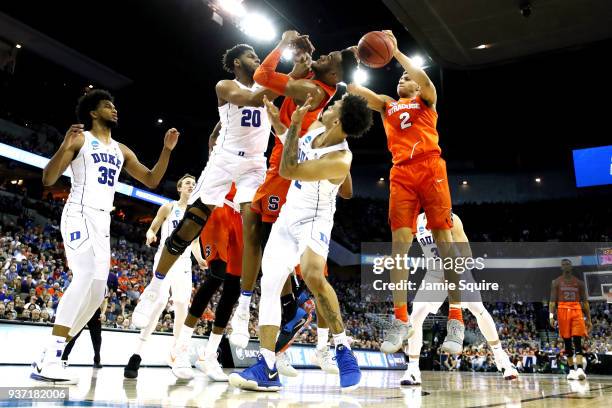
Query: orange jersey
(568, 293)
(410, 126)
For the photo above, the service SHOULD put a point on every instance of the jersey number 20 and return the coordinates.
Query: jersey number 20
(250, 118)
(107, 176)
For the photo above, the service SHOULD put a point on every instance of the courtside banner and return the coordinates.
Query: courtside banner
(480, 271)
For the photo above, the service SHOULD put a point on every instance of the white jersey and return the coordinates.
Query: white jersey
(170, 223)
(428, 245)
(95, 173)
(244, 129)
(313, 198)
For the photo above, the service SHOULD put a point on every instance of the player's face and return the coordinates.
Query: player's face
(249, 61)
(107, 113)
(187, 186)
(328, 62)
(407, 87)
(566, 267)
(332, 113)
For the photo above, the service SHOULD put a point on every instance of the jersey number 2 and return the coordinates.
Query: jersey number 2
(107, 176)
(405, 117)
(250, 118)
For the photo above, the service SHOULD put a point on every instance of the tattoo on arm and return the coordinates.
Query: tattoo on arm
(289, 159)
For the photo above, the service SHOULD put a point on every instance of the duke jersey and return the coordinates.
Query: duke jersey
(313, 198)
(170, 223)
(428, 245)
(244, 129)
(95, 173)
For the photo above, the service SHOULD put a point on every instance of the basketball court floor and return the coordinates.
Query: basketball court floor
(158, 387)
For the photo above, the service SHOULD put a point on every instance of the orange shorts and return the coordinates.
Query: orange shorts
(420, 184)
(221, 239)
(571, 323)
(271, 196)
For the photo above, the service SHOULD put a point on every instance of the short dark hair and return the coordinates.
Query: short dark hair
(180, 181)
(90, 102)
(355, 116)
(349, 63)
(235, 52)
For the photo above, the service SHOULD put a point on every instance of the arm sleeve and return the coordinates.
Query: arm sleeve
(267, 76)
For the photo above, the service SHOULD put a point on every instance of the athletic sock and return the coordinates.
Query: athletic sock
(500, 355)
(140, 346)
(455, 313)
(244, 301)
(322, 338)
(156, 281)
(56, 346)
(401, 313)
(413, 363)
(341, 338)
(185, 336)
(213, 344)
(269, 356)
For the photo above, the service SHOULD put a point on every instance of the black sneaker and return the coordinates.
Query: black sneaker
(131, 369)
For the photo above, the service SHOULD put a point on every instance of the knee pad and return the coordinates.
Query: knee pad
(176, 244)
(229, 297)
(569, 348)
(578, 344)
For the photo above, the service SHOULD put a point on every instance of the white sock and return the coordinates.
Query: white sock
(244, 301)
(212, 345)
(140, 346)
(322, 338)
(414, 363)
(269, 356)
(56, 346)
(185, 336)
(156, 282)
(500, 354)
(341, 338)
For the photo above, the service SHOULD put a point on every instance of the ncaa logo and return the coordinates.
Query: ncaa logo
(95, 144)
(177, 213)
(421, 229)
(307, 140)
(240, 353)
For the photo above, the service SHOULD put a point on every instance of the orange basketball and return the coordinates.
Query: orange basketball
(375, 49)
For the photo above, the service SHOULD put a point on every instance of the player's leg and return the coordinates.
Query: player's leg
(181, 285)
(404, 208)
(70, 346)
(313, 272)
(578, 331)
(420, 310)
(486, 324)
(95, 332)
(323, 356)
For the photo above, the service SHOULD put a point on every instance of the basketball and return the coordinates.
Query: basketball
(375, 49)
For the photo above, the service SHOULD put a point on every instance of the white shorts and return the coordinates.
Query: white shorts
(83, 228)
(293, 232)
(222, 169)
(435, 298)
(178, 279)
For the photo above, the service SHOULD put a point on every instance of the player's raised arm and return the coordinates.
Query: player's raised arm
(274, 116)
(376, 102)
(150, 177)
(428, 90)
(160, 217)
(73, 141)
(335, 165)
(266, 75)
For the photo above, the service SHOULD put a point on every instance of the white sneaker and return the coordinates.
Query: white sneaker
(573, 375)
(52, 369)
(284, 367)
(240, 329)
(580, 374)
(455, 332)
(510, 373)
(412, 375)
(396, 336)
(211, 367)
(147, 304)
(180, 363)
(323, 358)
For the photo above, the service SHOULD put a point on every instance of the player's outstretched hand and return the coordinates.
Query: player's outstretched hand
(171, 138)
(299, 113)
(289, 37)
(301, 65)
(73, 135)
(272, 110)
(151, 237)
(389, 34)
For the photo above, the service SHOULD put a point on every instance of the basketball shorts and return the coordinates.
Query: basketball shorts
(271, 196)
(222, 169)
(178, 279)
(84, 228)
(221, 239)
(420, 184)
(571, 323)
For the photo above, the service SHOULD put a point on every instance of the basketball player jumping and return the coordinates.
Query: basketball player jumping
(96, 160)
(430, 303)
(179, 278)
(418, 179)
(302, 232)
(568, 297)
(327, 71)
